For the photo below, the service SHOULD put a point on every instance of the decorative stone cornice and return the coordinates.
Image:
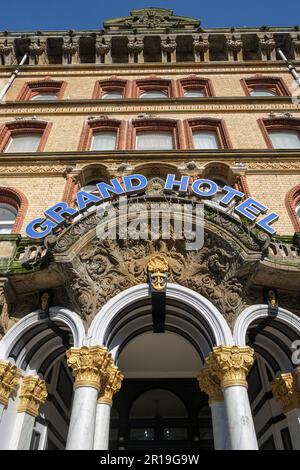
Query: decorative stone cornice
(285, 389)
(89, 365)
(110, 385)
(210, 385)
(9, 380)
(33, 395)
(231, 364)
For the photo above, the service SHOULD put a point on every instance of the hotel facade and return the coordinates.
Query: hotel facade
(138, 343)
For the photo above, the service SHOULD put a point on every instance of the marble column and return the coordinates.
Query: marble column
(89, 367)
(231, 365)
(286, 389)
(9, 381)
(109, 388)
(210, 385)
(33, 395)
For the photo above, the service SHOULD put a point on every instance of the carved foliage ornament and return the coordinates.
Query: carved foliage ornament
(158, 272)
(284, 388)
(231, 364)
(210, 384)
(33, 395)
(110, 385)
(89, 365)
(9, 380)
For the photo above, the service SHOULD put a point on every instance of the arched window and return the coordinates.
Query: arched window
(194, 87)
(24, 136)
(111, 89)
(13, 207)
(43, 90)
(154, 134)
(264, 86)
(207, 134)
(153, 88)
(103, 134)
(292, 202)
(281, 133)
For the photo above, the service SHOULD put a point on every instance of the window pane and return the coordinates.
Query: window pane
(205, 140)
(298, 211)
(285, 140)
(193, 94)
(175, 434)
(112, 95)
(142, 434)
(153, 94)
(8, 216)
(104, 141)
(44, 97)
(262, 92)
(24, 143)
(155, 141)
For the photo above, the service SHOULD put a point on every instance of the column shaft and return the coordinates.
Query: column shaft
(293, 419)
(220, 427)
(101, 441)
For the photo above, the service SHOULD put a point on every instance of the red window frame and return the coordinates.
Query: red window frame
(18, 200)
(195, 83)
(211, 125)
(94, 126)
(156, 125)
(277, 124)
(274, 84)
(31, 89)
(10, 129)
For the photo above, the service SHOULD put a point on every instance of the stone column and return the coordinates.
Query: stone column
(9, 381)
(285, 389)
(235, 48)
(70, 50)
(135, 48)
(89, 366)
(267, 47)
(37, 52)
(7, 50)
(210, 385)
(201, 48)
(231, 365)
(103, 51)
(110, 386)
(296, 45)
(168, 46)
(33, 395)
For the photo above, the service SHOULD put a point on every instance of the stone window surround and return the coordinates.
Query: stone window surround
(274, 84)
(154, 83)
(18, 200)
(31, 89)
(292, 200)
(207, 124)
(30, 126)
(277, 124)
(154, 125)
(112, 84)
(103, 125)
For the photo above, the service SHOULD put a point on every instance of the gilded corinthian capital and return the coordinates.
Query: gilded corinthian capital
(9, 380)
(33, 395)
(285, 389)
(231, 364)
(210, 384)
(111, 385)
(89, 365)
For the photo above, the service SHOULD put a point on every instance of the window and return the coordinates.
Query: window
(281, 132)
(194, 87)
(8, 215)
(207, 134)
(13, 207)
(103, 134)
(44, 97)
(264, 86)
(44, 90)
(151, 94)
(154, 141)
(292, 202)
(112, 95)
(193, 94)
(104, 141)
(285, 139)
(205, 140)
(153, 88)
(262, 92)
(155, 134)
(112, 89)
(23, 143)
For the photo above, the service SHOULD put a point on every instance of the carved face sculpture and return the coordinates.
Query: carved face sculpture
(158, 272)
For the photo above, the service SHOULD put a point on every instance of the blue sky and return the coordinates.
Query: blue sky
(27, 15)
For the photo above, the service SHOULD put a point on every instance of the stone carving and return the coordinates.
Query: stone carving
(210, 385)
(296, 44)
(168, 46)
(9, 380)
(89, 365)
(33, 395)
(103, 48)
(37, 48)
(284, 388)
(158, 272)
(110, 385)
(231, 364)
(70, 46)
(200, 46)
(135, 45)
(267, 44)
(6, 49)
(234, 45)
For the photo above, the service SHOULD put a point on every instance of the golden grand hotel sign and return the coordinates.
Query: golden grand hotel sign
(132, 185)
